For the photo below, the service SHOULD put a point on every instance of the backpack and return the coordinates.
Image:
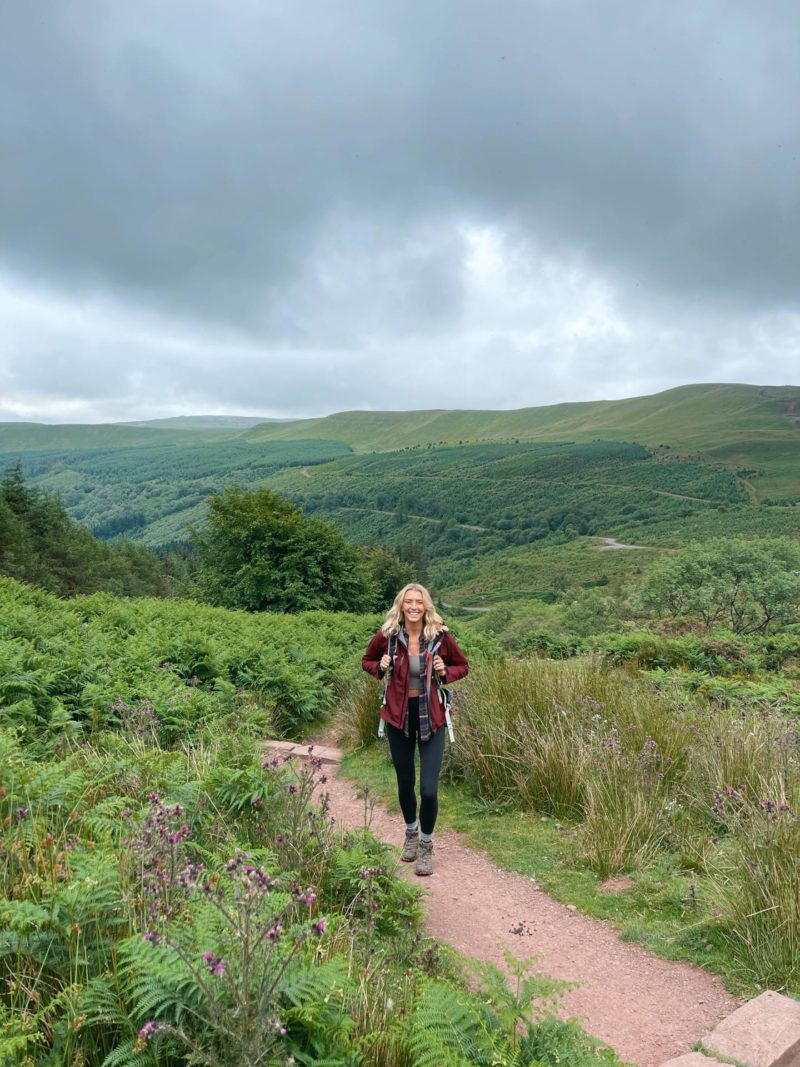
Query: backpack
(444, 694)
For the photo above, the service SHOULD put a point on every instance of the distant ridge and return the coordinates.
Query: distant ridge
(42, 437)
(204, 422)
(738, 426)
(713, 418)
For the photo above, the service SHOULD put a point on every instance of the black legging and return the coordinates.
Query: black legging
(430, 760)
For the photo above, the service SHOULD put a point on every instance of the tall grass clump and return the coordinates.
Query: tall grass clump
(359, 712)
(756, 879)
(624, 820)
(516, 739)
(530, 732)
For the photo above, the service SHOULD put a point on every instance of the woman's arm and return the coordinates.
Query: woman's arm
(376, 649)
(454, 659)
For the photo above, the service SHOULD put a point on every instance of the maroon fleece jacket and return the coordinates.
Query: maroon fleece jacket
(394, 709)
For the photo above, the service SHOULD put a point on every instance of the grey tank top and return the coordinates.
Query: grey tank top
(415, 672)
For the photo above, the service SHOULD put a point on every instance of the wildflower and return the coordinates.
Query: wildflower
(309, 898)
(149, 1030)
(280, 839)
(318, 927)
(292, 789)
(214, 964)
(152, 936)
(275, 932)
(257, 801)
(21, 813)
(154, 798)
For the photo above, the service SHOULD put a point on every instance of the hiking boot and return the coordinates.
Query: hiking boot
(424, 859)
(409, 853)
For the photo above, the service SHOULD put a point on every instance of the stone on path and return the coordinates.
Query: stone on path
(326, 753)
(693, 1059)
(764, 1032)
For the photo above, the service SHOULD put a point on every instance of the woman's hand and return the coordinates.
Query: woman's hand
(439, 665)
(386, 659)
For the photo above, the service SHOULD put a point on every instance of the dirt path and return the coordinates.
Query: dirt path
(611, 543)
(646, 1008)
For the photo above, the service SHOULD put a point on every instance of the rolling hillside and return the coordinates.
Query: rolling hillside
(698, 461)
(743, 427)
(38, 437)
(689, 418)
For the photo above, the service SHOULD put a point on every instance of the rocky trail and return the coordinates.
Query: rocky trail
(648, 1009)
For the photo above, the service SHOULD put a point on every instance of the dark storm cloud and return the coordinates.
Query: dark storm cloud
(195, 152)
(548, 192)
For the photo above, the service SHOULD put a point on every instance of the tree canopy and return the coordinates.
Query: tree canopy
(42, 545)
(745, 585)
(261, 553)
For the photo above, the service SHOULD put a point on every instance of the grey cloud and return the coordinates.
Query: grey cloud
(261, 207)
(195, 155)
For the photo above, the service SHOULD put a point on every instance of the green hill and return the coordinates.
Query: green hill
(697, 461)
(725, 421)
(748, 427)
(205, 422)
(38, 437)
(689, 418)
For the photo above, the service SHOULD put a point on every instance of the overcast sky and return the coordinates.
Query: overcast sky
(294, 207)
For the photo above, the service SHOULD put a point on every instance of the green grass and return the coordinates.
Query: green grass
(661, 911)
(528, 572)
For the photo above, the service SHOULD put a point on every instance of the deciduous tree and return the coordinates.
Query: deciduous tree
(261, 553)
(744, 585)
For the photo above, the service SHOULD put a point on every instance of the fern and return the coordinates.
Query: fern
(128, 1054)
(448, 1030)
(304, 984)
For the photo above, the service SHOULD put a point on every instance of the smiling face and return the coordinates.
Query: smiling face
(413, 608)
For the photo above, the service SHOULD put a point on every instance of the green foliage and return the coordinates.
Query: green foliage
(261, 554)
(387, 573)
(154, 490)
(175, 668)
(747, 586)
(756, 875)
(451, 1028)
(39, 543)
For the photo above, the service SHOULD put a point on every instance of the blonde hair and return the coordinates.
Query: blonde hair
(433, 622)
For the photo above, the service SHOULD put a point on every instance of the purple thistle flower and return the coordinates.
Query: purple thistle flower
(214, 964)
(149, 1030)
(318, 927)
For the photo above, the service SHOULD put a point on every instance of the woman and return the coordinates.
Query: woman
(426, 658)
